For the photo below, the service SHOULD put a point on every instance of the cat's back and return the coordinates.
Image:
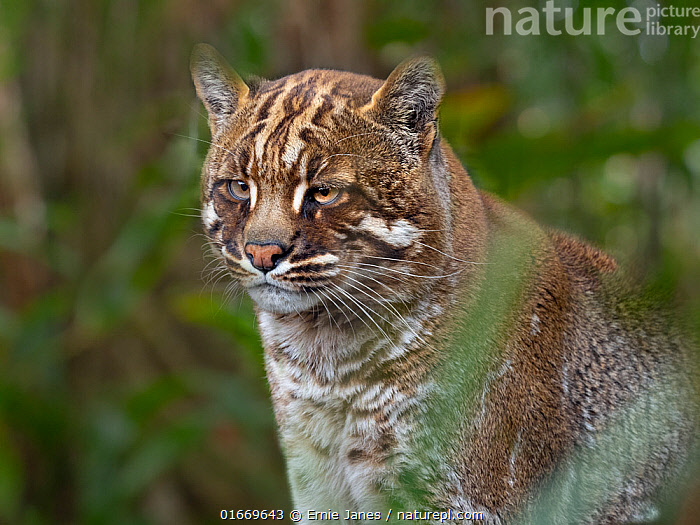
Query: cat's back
(582, 357)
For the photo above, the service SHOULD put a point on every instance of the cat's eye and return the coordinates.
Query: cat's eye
(239, 190)
(325, 194)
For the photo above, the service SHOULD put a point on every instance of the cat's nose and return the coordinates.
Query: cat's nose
(264, 256)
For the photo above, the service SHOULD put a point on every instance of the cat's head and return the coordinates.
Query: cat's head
(317, 188)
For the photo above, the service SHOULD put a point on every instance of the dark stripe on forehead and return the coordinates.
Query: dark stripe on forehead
(250, 136)
(243, 160)
(245, 146)
(325, 108)
(293, 96)
(308, 136)
(312, 168)
(303, 93)
(280, 134)
(264, 110)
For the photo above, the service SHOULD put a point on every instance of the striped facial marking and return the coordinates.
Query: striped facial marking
(399, 234)
(253, 195)
(299, 194)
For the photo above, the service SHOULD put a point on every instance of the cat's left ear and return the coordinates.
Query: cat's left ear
(218, 86)
(408, 100)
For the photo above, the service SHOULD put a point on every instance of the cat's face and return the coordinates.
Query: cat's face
(316, 190)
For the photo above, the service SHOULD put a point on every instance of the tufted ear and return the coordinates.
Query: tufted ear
(218, 86)
(409, 98)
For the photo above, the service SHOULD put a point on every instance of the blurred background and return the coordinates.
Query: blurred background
(131, 383)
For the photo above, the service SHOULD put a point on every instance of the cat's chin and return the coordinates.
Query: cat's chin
(276, 300)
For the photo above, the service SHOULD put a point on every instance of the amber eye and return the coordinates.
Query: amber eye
(326, 195)
(239, 190)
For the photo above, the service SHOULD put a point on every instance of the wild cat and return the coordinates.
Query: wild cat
(428, 347)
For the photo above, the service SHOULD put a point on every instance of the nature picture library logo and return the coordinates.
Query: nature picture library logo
(640, 18)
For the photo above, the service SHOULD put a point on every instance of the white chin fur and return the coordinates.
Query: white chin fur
(279, 301)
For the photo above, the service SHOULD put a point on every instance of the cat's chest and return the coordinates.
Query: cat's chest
(338, 441)
(343, 431)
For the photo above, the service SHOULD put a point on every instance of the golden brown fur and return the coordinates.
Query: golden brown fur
(428, 347)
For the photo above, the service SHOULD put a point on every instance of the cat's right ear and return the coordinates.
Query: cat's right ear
(218, 86)
(409, 99)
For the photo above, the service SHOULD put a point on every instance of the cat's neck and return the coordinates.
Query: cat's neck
(318, 347)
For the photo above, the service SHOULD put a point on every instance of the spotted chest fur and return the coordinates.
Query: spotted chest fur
(427, 347)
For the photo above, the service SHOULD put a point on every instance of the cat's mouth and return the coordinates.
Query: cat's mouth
(273, 298)
(281, 290)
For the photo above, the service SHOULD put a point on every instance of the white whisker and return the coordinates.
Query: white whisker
(347, 155)
(204, 141)
(358, 135)
(341, 310)
(331, 319)
(405, 273)
(361, 273)
(448, 255)
(391, 308)
(403, 260)
(349, 296)
(362, 306)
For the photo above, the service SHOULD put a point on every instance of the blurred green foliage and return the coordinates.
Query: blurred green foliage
(133, 392)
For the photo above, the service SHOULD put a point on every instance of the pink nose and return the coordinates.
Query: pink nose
(263, 256)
